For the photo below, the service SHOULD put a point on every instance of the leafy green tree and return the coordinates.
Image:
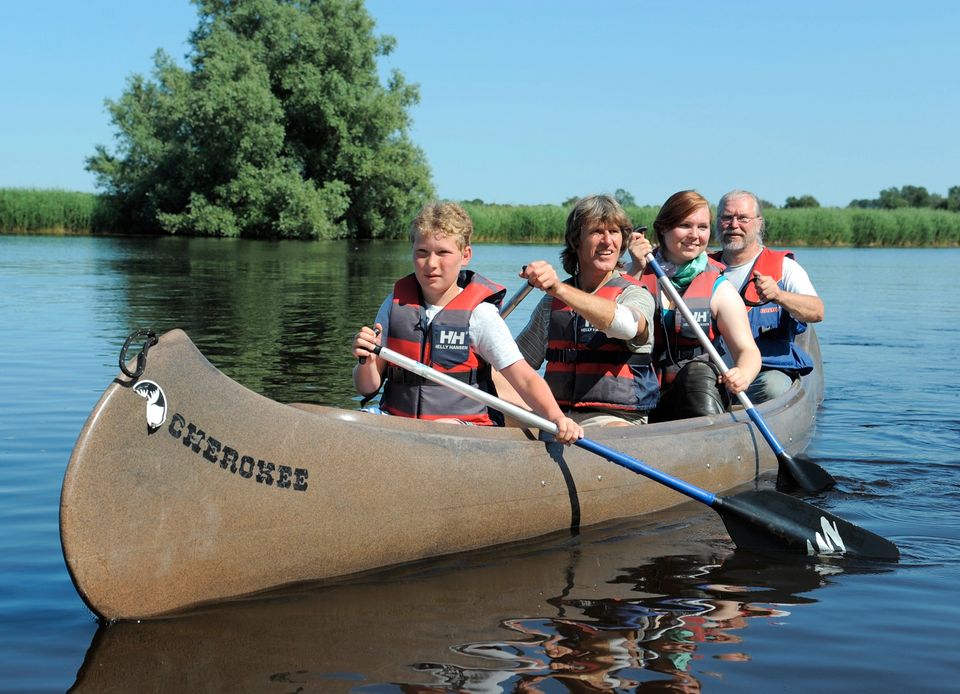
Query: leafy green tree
(802, 201)
(916, 196)
(279, 127)
(953, 199)
(624, 198)
(891, 199)
(912, 196)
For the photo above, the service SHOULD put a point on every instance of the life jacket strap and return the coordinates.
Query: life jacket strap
(400, 376)
(572, 356)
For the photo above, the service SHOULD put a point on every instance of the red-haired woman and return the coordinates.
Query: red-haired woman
(690, 384)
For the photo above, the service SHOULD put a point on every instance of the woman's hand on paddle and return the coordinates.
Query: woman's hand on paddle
(639, 247)
(366, 341)
(568, 431)
(734, 380)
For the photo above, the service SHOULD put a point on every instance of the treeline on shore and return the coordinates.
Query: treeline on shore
(30, 211)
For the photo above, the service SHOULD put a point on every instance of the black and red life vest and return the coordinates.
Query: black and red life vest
(443, 344)
(587, 369)
(674, 349)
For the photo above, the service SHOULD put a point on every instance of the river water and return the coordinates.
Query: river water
(662, 604)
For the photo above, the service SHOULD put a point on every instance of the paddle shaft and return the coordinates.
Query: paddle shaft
(534, 420)
(792, 472)
(712, 351)
(515, 300)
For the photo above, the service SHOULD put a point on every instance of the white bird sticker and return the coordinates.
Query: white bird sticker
(156, 403)
(828, 543)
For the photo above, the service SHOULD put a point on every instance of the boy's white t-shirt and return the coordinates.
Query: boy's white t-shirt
(489, 335)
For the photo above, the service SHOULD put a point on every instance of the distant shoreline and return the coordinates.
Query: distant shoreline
(69, 233)
(64, 213)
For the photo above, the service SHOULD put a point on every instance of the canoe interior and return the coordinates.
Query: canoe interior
(235, 494)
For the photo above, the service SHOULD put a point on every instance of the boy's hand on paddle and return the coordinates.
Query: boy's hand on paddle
(366, 341)
(568, 431)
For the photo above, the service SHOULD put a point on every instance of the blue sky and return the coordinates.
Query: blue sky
(534, 101)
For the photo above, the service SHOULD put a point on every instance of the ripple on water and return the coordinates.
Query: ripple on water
(920, 551)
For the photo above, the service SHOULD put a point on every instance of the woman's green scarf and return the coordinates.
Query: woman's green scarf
(682, 275)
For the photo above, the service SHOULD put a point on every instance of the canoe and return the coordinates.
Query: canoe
(186, 488)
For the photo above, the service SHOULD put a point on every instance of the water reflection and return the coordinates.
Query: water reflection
(695, 609)
(276, 317)
(561, 614)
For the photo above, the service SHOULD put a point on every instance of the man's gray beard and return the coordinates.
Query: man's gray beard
(728, 243)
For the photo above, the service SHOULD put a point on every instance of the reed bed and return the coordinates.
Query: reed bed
(27, 210)
(831, 226)
(532, 223)
(816, 226)
(24, 210)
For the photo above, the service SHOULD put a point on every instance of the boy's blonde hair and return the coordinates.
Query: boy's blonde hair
(443, 219)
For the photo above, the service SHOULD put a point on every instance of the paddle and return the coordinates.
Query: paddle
(758, 520)
(792, 472)
(515, 300)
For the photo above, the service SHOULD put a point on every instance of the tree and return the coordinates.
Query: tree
(280, 127)
(912, 196)
(802, 201)
(891, 199)
(953, 199)
(915, 196)
(624, 198)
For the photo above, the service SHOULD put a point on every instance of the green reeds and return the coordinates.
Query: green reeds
(26, 210)
(531, 223)
(517, 223)
(810, 226)
(831, 226)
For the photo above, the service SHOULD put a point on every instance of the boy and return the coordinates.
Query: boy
(447, 317)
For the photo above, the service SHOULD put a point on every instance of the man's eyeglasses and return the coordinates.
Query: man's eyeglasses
(742, 219)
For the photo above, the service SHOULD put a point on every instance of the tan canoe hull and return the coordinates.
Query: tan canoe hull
(234, 494)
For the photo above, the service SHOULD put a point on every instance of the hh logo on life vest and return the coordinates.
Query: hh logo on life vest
(450, 339)
(702, 317)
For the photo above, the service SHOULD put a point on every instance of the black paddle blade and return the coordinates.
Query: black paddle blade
(803, 473)
(774, 522)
